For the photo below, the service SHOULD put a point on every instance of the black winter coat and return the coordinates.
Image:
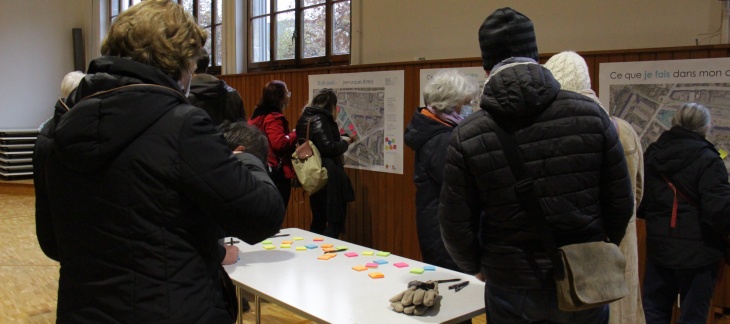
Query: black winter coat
(323, 132)
(217, 98)
(133, 184)
(429, 138)
(572, 152)
(693, 165)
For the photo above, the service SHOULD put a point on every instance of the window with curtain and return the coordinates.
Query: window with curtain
(286, 34)
(208, 14)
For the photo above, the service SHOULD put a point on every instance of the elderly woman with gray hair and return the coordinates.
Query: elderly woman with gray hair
(428, 134)
(687, 212)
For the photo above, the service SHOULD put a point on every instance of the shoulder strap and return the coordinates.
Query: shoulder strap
(675, 203)
(525, 191)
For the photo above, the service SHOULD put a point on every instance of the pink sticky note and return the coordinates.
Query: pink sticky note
(351, 254)
(351, 126)
(371, 265)
(400, 264)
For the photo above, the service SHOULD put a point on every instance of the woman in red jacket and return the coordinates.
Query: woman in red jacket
(269, 119)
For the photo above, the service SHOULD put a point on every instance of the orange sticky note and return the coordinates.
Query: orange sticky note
(359, 268)
(327, 245)
(318, 239)
(376, 275)
(329, 249)
(287, 242)
(327, 256)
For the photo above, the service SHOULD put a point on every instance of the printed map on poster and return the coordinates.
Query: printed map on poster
(647, 94)
(370, 105)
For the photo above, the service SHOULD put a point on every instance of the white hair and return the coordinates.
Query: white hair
(447, 90)
(694, 117)
(70, 82)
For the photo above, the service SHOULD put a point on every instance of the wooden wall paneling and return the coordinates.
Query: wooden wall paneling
(383, 215)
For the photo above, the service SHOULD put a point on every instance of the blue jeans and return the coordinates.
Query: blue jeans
(695, 288)
(508, 305)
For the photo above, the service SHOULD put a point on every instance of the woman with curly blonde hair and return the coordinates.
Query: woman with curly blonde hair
(133, 184)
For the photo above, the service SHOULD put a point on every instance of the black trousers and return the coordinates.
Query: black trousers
(283, 184)
(695, 287)
(320, 224)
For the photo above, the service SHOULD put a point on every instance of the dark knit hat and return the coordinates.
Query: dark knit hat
(506, 33)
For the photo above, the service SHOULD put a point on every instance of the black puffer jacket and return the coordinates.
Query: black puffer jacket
(323, 132)
(571, 151)
(218, 99)
(429, 138)
(693, 165)
(133, 184)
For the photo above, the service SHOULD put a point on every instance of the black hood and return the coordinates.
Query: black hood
(208, 90)
(114, 103)
(421, 129)
(675, 149)
(519, 90)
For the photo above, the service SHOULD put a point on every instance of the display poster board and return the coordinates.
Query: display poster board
(647, 95)
(370, 105)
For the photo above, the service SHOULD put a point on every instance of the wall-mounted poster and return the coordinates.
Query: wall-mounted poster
(647, 94)
(475, 73)
(370, 105)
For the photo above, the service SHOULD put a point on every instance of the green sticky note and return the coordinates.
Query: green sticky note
(417, 270)
(367, 253)
(341, 248)
(723, 153)
(297, 238)
(383, 254)
(266, 242)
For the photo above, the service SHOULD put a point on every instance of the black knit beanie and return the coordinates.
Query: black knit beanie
(506, 33)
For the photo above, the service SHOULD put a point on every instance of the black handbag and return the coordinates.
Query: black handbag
(587, 275)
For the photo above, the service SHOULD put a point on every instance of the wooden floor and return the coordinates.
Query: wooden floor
(29, 279)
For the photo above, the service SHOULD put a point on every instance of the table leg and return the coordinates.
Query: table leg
(257, 305)
(239, 293)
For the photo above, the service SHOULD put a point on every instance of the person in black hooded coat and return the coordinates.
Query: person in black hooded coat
(213, 95)
(329, 204)
(684, 242)
(133, 183)
(428, 134)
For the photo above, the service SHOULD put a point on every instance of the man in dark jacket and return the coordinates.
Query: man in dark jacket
(570, 150)
(213, 95)
(134, 183)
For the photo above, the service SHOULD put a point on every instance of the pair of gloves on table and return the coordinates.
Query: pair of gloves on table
(416, 299)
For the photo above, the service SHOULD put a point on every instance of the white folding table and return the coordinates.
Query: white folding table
(330, 291)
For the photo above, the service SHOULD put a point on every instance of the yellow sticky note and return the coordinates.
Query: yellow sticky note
(301, 248)
(285, 246)
(359, 268)
(376, 275)
(269, 247)
(367, 252)
(723, 153)
(297, 238)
